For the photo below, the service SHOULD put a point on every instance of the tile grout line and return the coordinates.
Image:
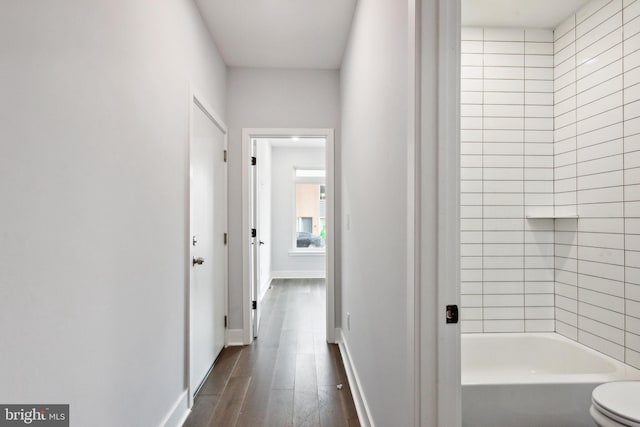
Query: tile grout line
(624, 204)
(482, 190)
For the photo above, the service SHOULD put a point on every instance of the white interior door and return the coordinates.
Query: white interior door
(255, 243)
(208, 266)
(263, 171)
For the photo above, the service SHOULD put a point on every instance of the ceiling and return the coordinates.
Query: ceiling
(518, 13)
(312, 34)
(280, 33)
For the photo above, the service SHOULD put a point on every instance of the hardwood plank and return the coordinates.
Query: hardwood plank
(288, 340)
(227, 410)
(255, 403)
(287, 377)
(221, 372)
(306, 412)
(330, 407)
(328, 363)
(280, 408)
(348, 405)
(305, 342)
(246, 362)
(305, 399)
(306, 379)
(269, 334)
(202, 411)
(284, 370)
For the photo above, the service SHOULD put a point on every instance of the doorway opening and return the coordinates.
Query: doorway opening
(288, 216)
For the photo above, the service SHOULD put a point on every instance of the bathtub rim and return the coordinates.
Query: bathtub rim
(623, 371)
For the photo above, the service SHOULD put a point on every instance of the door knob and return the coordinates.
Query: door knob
(261, 242)
(198, 261)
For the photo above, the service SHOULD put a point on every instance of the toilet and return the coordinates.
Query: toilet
(616, 404)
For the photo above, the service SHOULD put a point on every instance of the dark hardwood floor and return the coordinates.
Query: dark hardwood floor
(289, 376)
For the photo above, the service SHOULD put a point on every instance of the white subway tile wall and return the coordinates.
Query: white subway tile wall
(551, 127)
(507, 173)
(631, 179)
(596, 117)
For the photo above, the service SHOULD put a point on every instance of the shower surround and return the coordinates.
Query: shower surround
(551, 179)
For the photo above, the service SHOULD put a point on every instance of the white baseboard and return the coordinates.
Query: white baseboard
(179, 413)
(234, 337)
(298, 274)
(364, 414)
(336, 336)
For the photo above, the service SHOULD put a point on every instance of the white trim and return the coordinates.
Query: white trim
(437, 129)
(331, 234)
(195, 98)
(438, 210)
(413, 217)
(247, 135)
(178, 413)
(245, 239)
(306, 252)
(302, 274)
(448, 202)
(362, 408)
(234, 337)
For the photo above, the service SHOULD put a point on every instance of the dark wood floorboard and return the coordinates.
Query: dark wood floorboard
(225, 364)
(330, 407)
(288, 377)
(230, 403)
(280, 408)
(202, 411)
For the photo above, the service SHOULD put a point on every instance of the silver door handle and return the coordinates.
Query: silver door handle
(198, 261)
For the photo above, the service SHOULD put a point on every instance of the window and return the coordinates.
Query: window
(310, 209)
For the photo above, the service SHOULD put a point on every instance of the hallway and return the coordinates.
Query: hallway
(96, 123)
(288, 376)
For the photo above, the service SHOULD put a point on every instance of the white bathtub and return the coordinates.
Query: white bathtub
(541, 380)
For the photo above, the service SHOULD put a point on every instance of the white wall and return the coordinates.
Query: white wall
(93, 167)
(597, 79)
(285, 159)
(273, 98)
(374, 207)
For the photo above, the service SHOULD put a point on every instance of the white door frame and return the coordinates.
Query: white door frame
(247, 135)
(434, 186)
(448, 220)
(196, 99)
